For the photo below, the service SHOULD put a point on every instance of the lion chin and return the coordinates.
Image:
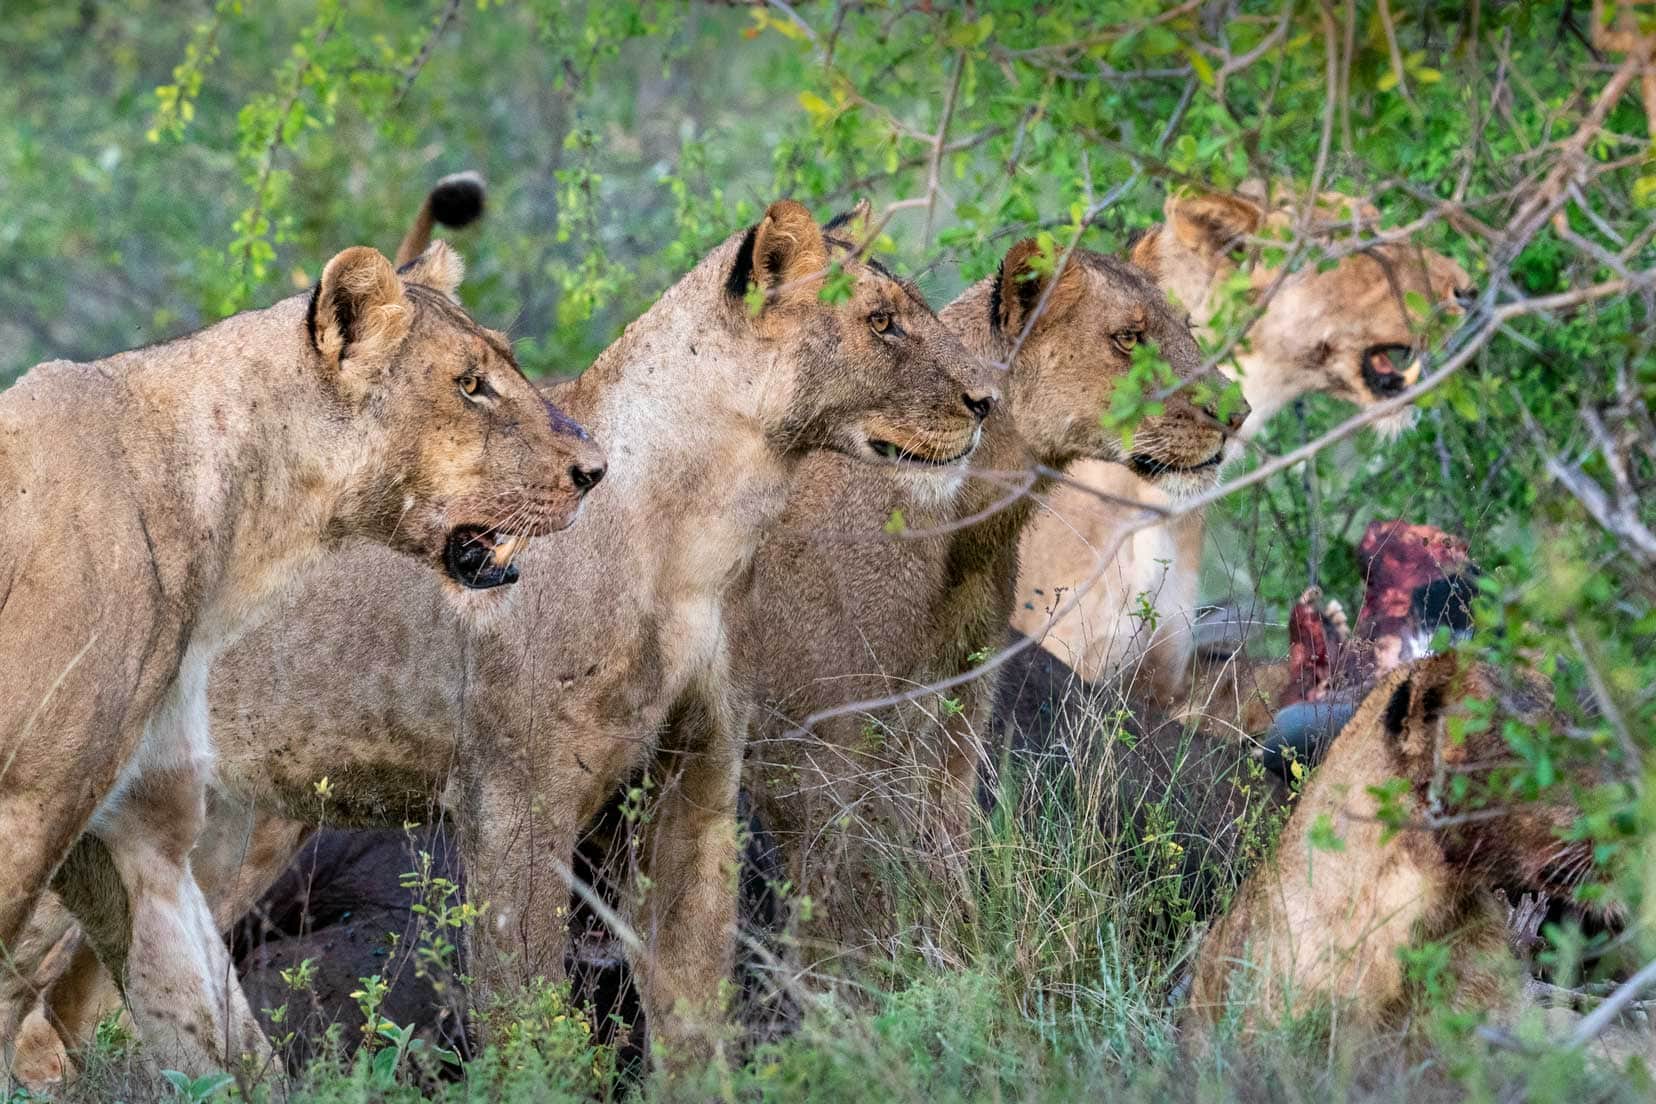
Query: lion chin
(1392, 426)
(1179, 480)
(931, 474)
(931, 488)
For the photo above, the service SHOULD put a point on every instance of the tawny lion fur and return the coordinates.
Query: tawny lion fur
(1316, 926)
(862, 791)
(154, 503)
(614, 657)
(1312, 337)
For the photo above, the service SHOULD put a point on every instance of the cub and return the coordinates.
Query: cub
(1320, 924)
(153, 504)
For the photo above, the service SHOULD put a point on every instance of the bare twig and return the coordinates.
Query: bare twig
(1594, 1023)
(450, 10)
(1396, 55)
(933, 169)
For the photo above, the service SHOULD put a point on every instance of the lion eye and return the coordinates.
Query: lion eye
(1126, 340)
(470, 385)
(880, 322)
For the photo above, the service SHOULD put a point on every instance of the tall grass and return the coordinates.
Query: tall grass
(1051, 971)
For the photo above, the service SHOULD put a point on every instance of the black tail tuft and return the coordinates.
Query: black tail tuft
(458, 200)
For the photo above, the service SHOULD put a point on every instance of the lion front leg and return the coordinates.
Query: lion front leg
(37, 833)
(954, 776)
(241, 851)
(517, 847)
(154, 930)
(38, 1057)
(686, 915)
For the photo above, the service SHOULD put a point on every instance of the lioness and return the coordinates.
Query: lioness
(1347, 332)
(888, 613)
(525, 727)
(1323, 920)
(154, 503)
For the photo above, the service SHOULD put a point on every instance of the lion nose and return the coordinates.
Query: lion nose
(980, 403)
(1239, 412)
(585, 477)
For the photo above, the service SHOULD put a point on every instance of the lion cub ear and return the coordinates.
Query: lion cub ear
(359, 314)
(1024, 277)
(785, 256)
(1415, 710)
(1210, 223)
(439, 268)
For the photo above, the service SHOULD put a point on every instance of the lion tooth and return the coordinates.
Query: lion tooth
(1411, 374)
(507, 549)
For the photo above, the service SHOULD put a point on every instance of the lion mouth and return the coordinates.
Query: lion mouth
(481, 559)
(1390, 369)
(890, 450)
(1150, 468)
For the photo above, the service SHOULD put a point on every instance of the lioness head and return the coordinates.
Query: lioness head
(1349, 331)
(1458, 773)
(467, 460)
(875, 374)
(1070, 337)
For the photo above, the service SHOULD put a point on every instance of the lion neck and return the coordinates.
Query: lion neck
(240, 459)
(689, 403)
(1013, 472)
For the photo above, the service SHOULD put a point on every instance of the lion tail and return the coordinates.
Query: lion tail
(457, 200)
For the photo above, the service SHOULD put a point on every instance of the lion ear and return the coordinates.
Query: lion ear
(359, 314)
(784, 255)
(1023, 280)
(1417, 704)
(1211, 223)
(439, 268)
(852, 223)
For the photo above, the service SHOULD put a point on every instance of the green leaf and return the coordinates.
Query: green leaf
(384, 1067)
(895, 524)
(1464, 402)
(1387, 81)
(1322, 836)
(836, 286)
(1158, 41)
(970, 35)
(819, 108)
(1204, 71)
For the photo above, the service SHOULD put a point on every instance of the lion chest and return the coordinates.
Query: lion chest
(176, 737)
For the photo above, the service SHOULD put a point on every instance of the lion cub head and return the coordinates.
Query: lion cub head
(1442, 722)
(1354, 331)
(1070, 337)
(462, 460)
(875, 374)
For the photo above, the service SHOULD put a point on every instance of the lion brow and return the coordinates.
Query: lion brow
(910, 288)
(453, 312)
(498, 342)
